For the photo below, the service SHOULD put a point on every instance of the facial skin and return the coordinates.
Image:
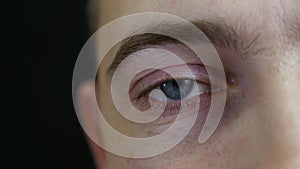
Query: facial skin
(262, 131)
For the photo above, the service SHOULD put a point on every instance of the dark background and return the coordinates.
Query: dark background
(58, 30)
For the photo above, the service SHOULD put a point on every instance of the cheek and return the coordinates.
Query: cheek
(184, 155)
(215, 154)
(229, 147)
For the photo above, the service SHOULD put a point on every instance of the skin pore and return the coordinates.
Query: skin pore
(262, 130)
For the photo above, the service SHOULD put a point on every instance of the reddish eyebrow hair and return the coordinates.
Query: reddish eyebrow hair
(218, 33)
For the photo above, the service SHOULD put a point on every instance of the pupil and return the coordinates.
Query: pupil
(175, 90)
(174, 83)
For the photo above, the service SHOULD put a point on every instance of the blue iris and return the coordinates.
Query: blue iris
(177, 89)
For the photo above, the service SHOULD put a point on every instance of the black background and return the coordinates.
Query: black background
(58, 30)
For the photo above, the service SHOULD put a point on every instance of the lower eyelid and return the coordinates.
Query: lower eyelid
(172, 108)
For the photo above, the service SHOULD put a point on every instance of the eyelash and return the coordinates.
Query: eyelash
(151, 87)
(148, 89)
(172, 105)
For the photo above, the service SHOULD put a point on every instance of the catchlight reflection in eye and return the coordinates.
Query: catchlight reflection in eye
(172, 90)
(188, 89)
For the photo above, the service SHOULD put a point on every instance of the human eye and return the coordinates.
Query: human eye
(178, 90)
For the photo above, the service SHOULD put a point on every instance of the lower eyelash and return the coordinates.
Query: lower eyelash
(173, 107)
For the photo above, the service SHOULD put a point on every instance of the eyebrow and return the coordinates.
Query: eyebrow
(236, 38)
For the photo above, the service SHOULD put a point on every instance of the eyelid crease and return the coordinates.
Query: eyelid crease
(148, 72)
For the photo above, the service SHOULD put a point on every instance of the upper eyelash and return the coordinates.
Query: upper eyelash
(150, 87)
(199, 72)
(147, 90)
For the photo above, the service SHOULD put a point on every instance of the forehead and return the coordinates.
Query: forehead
(256, 11)
(276, 22)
